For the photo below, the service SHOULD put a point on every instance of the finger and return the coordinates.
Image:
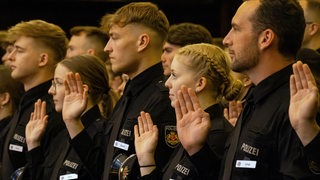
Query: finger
(43, 109)
(309, 76)
(302, 75)
(45, 121)
(37, 111)
(149, 121)
(72, 82)
(187, 98)
(31, 116)
(85, 94)
(182, 103)
(144, 121)
(239, 107)
(293, 88)
(141, 130)
(194, 99)
(79, 84)
(177, 109)
(136, 131)
(67, 90)
(296, 74)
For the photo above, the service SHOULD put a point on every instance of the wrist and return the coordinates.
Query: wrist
(307, 131)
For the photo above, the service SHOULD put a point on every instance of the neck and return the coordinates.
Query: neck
(206, 99)
(268, 64)
(5, 111)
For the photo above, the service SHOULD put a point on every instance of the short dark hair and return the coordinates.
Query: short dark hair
(94, 34)
(188, 33)
(286, 19)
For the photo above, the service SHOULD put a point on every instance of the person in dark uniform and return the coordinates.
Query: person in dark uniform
(311, 38)
(180, 35)
(10, 94)
(204, 69)
(38, 46)
(137, 32)
(79, 84)
(263, 42)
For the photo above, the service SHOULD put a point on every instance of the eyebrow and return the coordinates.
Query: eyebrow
(18, 47)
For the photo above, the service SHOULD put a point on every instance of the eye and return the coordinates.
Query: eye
(59, 83)
(173, 75)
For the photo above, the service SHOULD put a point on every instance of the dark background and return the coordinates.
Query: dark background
(213, 14)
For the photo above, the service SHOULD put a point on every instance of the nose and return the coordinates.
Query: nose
(168, 83)
(163, 57)
(11, 55)
(226, 40)
(107, 48)
(51, 90)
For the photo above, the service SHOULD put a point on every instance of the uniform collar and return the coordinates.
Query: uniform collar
(139, 82)
(271, 83)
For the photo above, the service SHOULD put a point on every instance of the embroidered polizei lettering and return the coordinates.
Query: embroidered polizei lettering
(184, 170)
(70, 164)
(126, 132)
(249, 149)
(19, 138)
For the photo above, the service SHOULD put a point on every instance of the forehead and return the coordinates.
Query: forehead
(179, 63)
(245, 12)
(24, 41)
(61, 71)
(172, 46)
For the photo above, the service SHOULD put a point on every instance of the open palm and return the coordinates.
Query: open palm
(304, 101)
(75, 100)
(146, 139)
(36, 125)
(193, 124)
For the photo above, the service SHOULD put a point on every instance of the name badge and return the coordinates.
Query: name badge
(246, 164)
(121, 145)
(14, 147)
(68, 176)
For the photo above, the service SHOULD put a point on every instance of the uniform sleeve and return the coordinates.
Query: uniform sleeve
(34, 159)
(313, 155)
(207, 163)
(90, 150)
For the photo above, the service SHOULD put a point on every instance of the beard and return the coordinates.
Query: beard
(246, 59)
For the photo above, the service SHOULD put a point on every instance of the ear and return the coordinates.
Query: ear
(143, 42)
(4, 98)
(266, 38)
(91, 51)
(313, 29)
(44, 59)
(201, 84)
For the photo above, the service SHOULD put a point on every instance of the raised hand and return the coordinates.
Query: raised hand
(193, 124)
(303, 103)
(145, 141)
(36, 125)
(75, 103)
(232, 113)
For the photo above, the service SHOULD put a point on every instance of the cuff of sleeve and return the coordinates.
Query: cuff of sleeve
(205, 158)
(34, 156)
(313, 155)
